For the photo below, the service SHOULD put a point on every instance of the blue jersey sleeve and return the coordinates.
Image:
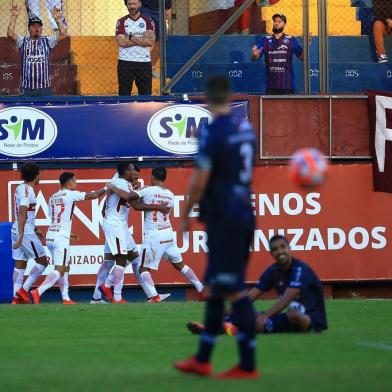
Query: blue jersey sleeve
(265, 282)
(297, 48)
(297, 278)
(206, 154)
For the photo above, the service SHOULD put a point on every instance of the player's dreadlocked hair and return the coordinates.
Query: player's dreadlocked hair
(218, 90)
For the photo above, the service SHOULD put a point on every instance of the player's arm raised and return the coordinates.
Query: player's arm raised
(15, 11)
(95, 194)
(129, 196)
(22, 217)
(62, 31)
(283, 302)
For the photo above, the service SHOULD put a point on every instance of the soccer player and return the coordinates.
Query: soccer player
(33, 8)
(119, 241)
(25, 236)
(158, 239)
(300, 292)
(61, 207)
(35, 51)
(221, 181)
(278, 50)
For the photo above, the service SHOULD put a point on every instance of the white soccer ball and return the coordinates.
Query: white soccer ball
(296, 307)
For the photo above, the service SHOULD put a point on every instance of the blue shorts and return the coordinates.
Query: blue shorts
(228, 243)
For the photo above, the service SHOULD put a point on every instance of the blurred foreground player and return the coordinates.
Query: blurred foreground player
(221, 182)
(58, 237)
(300, 292)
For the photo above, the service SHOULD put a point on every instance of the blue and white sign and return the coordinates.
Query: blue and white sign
(103, 130)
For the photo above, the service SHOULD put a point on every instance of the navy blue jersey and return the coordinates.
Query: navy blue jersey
(279, 60)
(299, 276)
(227, 149)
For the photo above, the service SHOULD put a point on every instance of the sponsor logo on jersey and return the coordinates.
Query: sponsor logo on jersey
(282, 47)
(25, 131)
(174, 129)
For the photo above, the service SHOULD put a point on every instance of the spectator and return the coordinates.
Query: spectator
(151, 9)
(278, 50)
(382, 26)
(243, 21)
(34, 10)
(135, 35)
(34, 51)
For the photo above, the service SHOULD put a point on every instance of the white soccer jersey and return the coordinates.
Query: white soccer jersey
(155, 221)
(25, 196)
(117, 209)
(61, 207)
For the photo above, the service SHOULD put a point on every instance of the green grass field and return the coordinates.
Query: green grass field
(132, 348)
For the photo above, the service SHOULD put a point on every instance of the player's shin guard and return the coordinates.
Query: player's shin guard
(244, 318)
(192, 278)
(213, 326)
(135, 268)
(49, 281)
(118, 281)
(64, 286)
(102, 274)
(17, 279)
(278, 324)
(147, 279)
(35, 273)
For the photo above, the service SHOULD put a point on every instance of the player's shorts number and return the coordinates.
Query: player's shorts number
(246, 152)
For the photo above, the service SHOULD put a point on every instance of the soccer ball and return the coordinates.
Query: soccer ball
(296, 307)
(308, 167)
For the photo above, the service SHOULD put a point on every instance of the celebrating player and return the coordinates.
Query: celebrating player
(299, 290)
(119, 243)
(26, 242)
(158, 239)
(61, 207)
(221, 182)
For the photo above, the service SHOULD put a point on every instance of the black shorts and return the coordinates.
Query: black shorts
(133, 71)
(228, 243)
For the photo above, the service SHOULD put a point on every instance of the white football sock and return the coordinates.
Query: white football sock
(118, 281)
(192, 278)
(102, 274)
(35, 273)
(64, 286)
(135, 268)
(17, 278)
(147, 279)
(49, 281)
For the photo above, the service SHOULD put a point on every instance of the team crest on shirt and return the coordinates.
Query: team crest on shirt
(141, 25)
(285, 41)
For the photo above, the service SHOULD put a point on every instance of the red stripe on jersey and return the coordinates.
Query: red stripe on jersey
(31, 207)
(26, 191)
(34, 250)
(120, 28)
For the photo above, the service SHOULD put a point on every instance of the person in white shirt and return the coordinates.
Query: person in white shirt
(25, 236)
(158, 239)
(61, 207)
(118, 240)
(104, 274)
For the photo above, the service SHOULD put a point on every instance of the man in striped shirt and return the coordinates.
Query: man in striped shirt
(34, 51)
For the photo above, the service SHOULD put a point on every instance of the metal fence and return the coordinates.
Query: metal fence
(345, 45)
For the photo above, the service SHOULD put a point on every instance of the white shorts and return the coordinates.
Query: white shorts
(131, 244)
(58, 246)
(158, 246)
(31, 247)
(117, 239)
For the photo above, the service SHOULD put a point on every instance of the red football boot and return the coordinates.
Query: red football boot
(230, 329)
(155, 299)
(68, 302)
(191, 365)
(107, 292)
(36, 297)
(237, 373)
(122, 301)
(17, 301)
(23, 295)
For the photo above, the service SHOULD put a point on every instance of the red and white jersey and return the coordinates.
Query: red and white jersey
(25, 196)
(117, 209)
(128, 26)
(61, 207)
(155, 221)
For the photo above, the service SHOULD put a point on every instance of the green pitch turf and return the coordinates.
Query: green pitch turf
(133, 347)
